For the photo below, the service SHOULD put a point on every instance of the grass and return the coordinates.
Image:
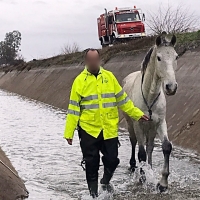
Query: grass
(184, 41)
(188, 37)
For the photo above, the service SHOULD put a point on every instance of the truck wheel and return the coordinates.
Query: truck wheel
(113, 39)
(105, 45)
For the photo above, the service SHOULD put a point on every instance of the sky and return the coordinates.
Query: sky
(48, 25)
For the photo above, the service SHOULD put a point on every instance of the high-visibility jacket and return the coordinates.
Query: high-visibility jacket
(94, 103)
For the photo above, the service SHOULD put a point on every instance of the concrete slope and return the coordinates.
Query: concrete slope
(11, 186)
(52, 86)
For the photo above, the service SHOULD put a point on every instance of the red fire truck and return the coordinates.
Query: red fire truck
(120, 25)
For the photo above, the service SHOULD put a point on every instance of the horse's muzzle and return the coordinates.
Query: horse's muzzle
(171, 89)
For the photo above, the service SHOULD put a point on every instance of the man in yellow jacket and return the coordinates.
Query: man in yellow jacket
(93, 107)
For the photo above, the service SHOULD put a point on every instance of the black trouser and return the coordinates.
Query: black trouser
(91, 147)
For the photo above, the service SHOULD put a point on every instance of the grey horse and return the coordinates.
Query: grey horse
(147, 89)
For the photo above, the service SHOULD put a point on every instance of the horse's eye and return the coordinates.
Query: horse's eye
(159, 59)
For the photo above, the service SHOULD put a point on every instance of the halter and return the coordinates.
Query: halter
(145, 101)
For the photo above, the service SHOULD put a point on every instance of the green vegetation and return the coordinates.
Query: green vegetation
(9, 49)
(188, 37)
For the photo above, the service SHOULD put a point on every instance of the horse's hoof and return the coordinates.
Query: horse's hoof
(132, 169)
(161, 188)
(142, 177)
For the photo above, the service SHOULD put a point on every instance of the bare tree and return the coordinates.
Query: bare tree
(172, 20)
(68, 48)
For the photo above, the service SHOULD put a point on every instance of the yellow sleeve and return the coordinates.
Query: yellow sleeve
(73, 112)
(125, 104)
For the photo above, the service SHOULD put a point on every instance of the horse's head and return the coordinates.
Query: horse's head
(166, 58)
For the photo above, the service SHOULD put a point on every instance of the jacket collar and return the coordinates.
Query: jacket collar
(85, 71)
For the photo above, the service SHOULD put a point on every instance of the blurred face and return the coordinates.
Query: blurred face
(92, 61)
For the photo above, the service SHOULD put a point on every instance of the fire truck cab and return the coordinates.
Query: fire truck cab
(120, 25)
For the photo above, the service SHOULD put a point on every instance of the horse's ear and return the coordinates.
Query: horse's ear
(173, 40)
(164, 33)
(158, 41)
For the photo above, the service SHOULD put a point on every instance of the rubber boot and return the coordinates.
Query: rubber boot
(93, 188)
(105, 181)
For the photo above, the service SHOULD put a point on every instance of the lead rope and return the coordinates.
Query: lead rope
(145, 101)
(83, 163)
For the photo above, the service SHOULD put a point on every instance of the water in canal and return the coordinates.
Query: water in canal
(31, 134)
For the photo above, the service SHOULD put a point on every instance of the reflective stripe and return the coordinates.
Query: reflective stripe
(73, 112)
(108, 105)
(74, 103)
(108, 95)
(120, 103)
(92, 106)
(91, 97)
(119, 94)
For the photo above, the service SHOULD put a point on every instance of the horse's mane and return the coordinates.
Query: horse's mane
(146, 60)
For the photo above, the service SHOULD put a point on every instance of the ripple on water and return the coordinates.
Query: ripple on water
(32, 136)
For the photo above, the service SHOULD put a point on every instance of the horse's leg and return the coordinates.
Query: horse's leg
(142, 157)
(167, 148)
(150, 146)
(133, 141)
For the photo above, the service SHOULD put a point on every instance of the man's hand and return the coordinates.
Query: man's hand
(144, 118)
(69, 141)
